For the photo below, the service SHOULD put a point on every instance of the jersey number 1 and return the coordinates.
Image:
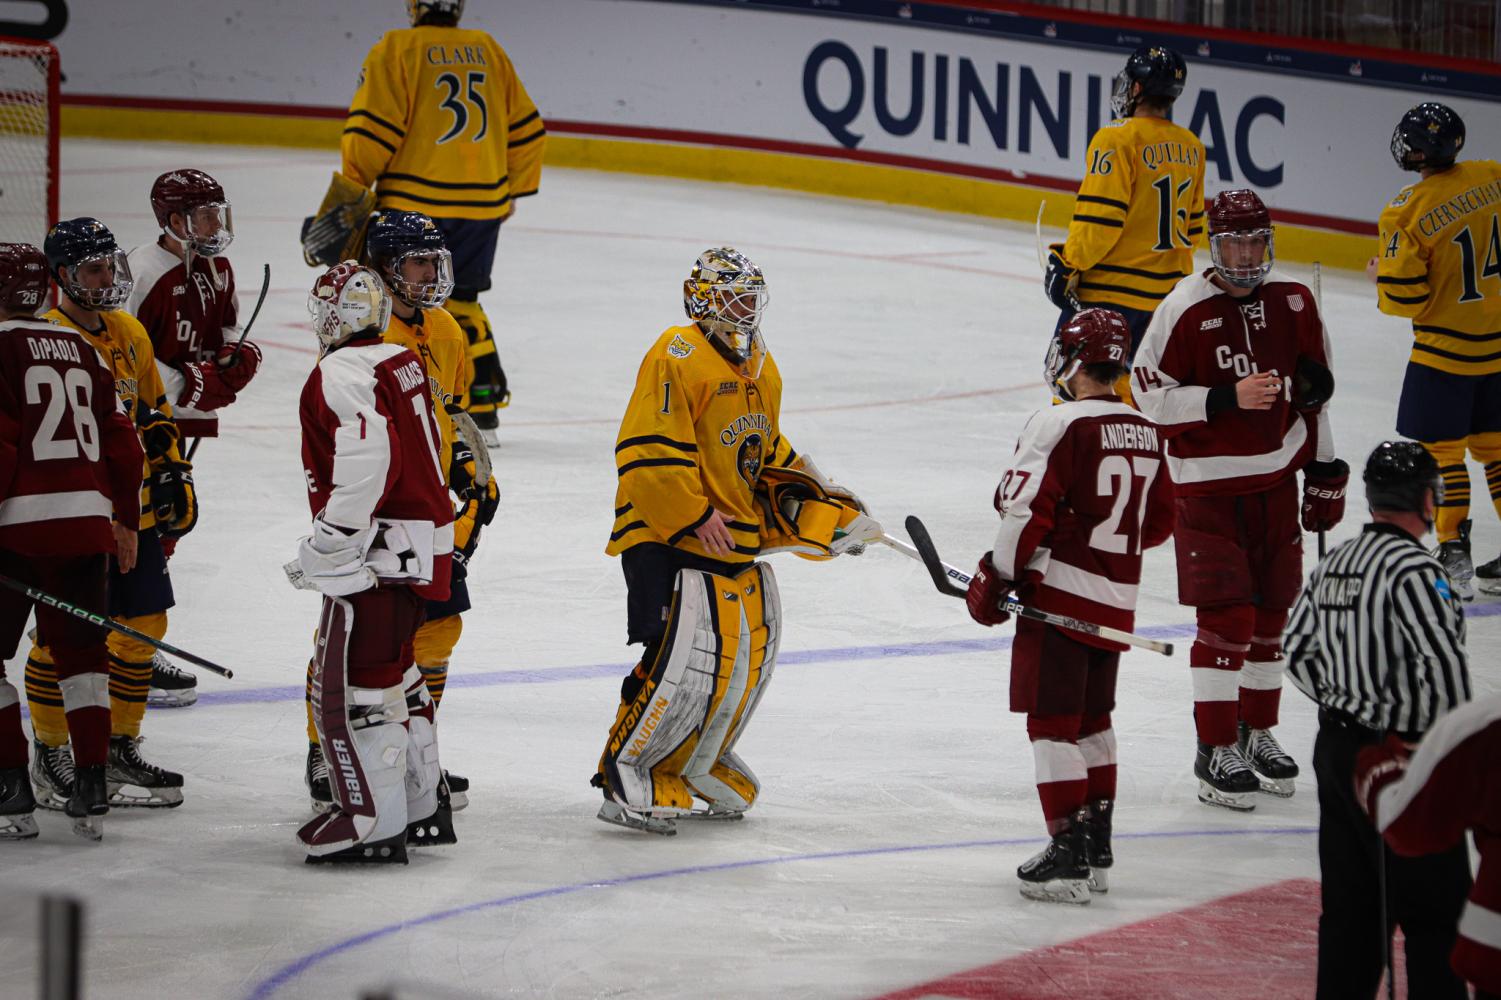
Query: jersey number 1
(459, 109)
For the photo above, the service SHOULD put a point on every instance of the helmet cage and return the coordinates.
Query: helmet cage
(421, 294)
(728, 307)
(105, 299)
(216, 222)
(1243, 275)
(1122, 103)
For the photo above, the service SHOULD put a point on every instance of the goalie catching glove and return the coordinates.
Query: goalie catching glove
(337, 232)
(802, 515)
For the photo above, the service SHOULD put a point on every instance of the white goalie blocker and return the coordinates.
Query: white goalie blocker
(676, 742)
(338, 562)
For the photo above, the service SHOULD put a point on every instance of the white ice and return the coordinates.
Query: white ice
(911, 345)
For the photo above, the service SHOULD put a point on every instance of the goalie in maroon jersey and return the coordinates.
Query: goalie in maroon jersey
(1086, 494)
(1235, 369)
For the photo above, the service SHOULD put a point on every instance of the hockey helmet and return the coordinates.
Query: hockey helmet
(1091, 336)
(77, 244)
(23, 278)
(395, 238)
(1429, 135)
(1397, 475)
(726, 295)
(1240, 238)
(1161, 73)
(419, 11)
(348, 300)
(207, 225)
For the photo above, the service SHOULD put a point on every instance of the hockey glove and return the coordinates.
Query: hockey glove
(1324, 494)
(1378, 766)
(159, 433)
(332, 560)
(466, 531)
(236, 370)
(461, 471)
(987, 592)
(173, 499)
(1058, 281)
(204, 387)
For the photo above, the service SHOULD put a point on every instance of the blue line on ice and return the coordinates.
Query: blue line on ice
(269, 986)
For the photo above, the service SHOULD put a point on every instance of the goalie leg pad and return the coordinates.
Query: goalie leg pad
(428, 808)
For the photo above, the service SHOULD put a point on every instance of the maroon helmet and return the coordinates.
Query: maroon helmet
(23, 278)
(200, 200)
(1240, 224)
(1092, 336)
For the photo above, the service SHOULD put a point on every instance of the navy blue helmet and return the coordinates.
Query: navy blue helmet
(1429, 135)
(74, 243)
(395, 238)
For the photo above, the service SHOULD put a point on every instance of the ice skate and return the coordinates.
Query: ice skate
(52, 774)
(171, 686)
(1455, 556)
(391, 851)
(715, 814)
(436, 830)
(315, 776)
(613, 812)
(89, 802)
(1059, 873)
(1274, 768)
(1097, 844)
(1488, 577)
(458, 790)
(16, 805)
(1225, 777)
(135, 783)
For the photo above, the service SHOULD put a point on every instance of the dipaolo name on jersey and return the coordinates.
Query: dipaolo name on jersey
(49, 349)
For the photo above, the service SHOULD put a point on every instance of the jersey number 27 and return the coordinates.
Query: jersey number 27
(1123, 478)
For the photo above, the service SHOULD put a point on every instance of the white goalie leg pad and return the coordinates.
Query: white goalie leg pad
(684, 679)
(423, 771)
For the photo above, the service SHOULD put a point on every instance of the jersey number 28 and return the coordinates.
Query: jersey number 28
(64, 392)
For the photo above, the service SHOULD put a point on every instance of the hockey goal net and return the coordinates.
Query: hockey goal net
(28, 139)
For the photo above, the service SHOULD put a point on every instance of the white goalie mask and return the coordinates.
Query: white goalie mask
(726, 295)
(348, 300)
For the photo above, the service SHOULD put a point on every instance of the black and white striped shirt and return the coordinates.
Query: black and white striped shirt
(1379, 635)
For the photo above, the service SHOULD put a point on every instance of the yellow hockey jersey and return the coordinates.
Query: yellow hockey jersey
(125, 346)
(695, 436)
(1440, 265)
(1139, 212)
(435, 337)
(440, 124)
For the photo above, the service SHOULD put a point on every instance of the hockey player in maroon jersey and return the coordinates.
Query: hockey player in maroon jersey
(1235, 369)
(1087, 492)
(69, 462)
(381, 547)
(185, 297)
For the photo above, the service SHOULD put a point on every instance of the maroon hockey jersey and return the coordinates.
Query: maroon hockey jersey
(188, 317)
(1451, 786)
(1087, 492)
(370, 446)
(1200, 338)
(69, 457)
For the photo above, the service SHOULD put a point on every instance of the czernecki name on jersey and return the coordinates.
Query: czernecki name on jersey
(1128, 437)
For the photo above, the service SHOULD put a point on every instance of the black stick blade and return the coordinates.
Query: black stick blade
(918, 532)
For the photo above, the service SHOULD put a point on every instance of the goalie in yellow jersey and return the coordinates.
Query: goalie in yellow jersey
(1139, 212)
(439, 124)
(1439, 264)
(706, 483)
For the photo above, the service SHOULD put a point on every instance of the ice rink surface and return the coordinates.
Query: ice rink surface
(898, 791)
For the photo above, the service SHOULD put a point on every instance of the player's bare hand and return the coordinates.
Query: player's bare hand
(1370, 268)
(715, 535)
(1258, 391)
(126, 547)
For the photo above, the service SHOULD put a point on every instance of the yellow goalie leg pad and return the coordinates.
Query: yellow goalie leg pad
(307, 703)
(45, 698)
(433, 648)
(1450, 456)
(486, 381)
(130, 673)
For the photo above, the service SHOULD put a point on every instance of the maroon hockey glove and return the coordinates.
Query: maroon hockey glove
(1324, 494)
(986, 593)
(238, 369)
(1378, 766)
(206, 389)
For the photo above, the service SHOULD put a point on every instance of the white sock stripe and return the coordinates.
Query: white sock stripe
(1261, 675)
(8, 694)
(1098, 748)
(1275, 641)
(1058, 761)
(1216, 641)
(1210, 684)
(89, 690)
(1481, 925)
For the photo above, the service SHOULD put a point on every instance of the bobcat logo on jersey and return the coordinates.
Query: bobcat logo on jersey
(679, 348)
(749, 459)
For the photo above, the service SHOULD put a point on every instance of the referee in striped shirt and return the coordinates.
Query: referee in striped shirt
(1377, 639)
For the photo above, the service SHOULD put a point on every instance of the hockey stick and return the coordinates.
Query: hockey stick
(244, 332)
(954, 582)
(1042, 257)
(114, 626)
(1318, 302)
(469, 433)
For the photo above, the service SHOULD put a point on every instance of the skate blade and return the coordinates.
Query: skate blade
(135, 797)
(392, 851)
(612, 812)
(1283, 788)
(1489, 586)
(158, 698)
(50, 800)
(1239, 801)
(18, 827)
(457, 801)
(715, 815)
(89, 827)
(1099, 880)
(1074, 891)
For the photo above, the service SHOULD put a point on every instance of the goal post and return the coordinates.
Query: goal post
(29, 78)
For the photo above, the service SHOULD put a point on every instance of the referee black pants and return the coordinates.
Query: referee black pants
(1424, 895)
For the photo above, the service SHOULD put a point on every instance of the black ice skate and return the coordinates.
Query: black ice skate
(1275, 770)
(1225, 777)
(1097, 844)
(1059, 873)
(458, 790)
(51, 774)
(134, 783)
(437, 829)
(315, 776)
(89, 802)
(391, 851)
(16, 805)
(1455, 555)
(1488, 577)
(171, 686)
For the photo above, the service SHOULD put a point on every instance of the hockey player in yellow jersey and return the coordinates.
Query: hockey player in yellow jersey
(1139, 212)
(707, 481)
(441, 124)
(92, 273)
(407, 250)
(1439, 263)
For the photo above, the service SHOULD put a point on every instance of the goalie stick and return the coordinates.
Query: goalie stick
(955, 582)
(102, 621)
(244, 332)
(1318, 303)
